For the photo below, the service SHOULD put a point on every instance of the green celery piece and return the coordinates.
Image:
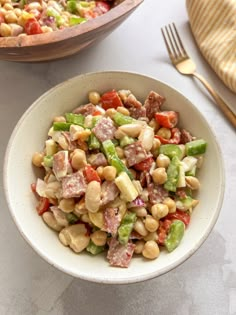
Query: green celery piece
(48, 160)
(94, 249)
(95, 120)
(196, 147)
(121, 119)
(76, 119)
(109, 149)
(52, 12)
(172, 174)
(93, 142)
(120, 166)
(113, 159)
(175, 235)
(170, 150)
(185, 203)
(71, 6)
(192, 172)
(126, 141)
(61, 126)
(71, 218)
(126, 227)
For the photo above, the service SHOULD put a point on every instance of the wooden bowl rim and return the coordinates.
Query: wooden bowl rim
(70, 32)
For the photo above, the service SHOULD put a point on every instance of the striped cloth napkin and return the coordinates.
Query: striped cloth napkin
(213, 24)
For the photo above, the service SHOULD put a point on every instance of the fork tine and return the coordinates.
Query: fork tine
(177, 43)
(166, 43)
(179, 40)
(171, 42)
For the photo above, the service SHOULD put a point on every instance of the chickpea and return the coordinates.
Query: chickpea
(78, 159)
(192, 182)
(151, 250)
(17, 12)
(162, 161)
(37, 159)
(109, 173)
(46, 29)
(120, 152)
(67, 205)
(155, 146)
(85, 218)
(34, 6)
(170, 204)
(59, 119)
(139, 245)
(139, 211)
(94, 97)
(110, 112)
(80, 207)
(159, 211)
(100, 171)
(152, 236)
(164, 133)
(159, 175)
(99, 238)
(123, 110)
(50, 220)
(5, 30)
(154, 124)
(8, 7)
(3, 11)
(151, 224)
(140, 228)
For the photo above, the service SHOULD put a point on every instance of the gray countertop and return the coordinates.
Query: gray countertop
(206, 283)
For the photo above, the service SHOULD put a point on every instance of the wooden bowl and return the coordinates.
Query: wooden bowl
(63, 43)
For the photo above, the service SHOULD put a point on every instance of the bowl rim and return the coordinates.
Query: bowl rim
(90, 278)
(121, 9)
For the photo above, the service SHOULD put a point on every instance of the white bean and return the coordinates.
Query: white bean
(50, 220)
(131, 130)
(146, 137)
(93, 196)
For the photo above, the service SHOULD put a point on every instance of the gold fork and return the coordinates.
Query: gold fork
(185, 65)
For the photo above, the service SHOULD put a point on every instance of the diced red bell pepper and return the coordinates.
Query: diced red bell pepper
(90, 174)
(103, 6)
(111, 99)
(175, 137)
(167, 119)
(144, 165)
(43, 205)
(32, 27)
(179, 215)
(96, 113)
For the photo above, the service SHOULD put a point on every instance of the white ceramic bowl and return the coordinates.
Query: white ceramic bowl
(29, 136)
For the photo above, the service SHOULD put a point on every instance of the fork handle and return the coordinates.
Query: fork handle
(219, 101)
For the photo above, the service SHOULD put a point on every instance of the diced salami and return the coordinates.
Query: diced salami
(111, 220)
(131, 101)
(120, 255)
(153, 104)
(60, 164)
(72, 145)
(97, 160)
(73, 185)
(104, 129)
(109, 192)
(185, 136)
(156, 193)
(85, 110)
(135, 153)
(137, 113)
